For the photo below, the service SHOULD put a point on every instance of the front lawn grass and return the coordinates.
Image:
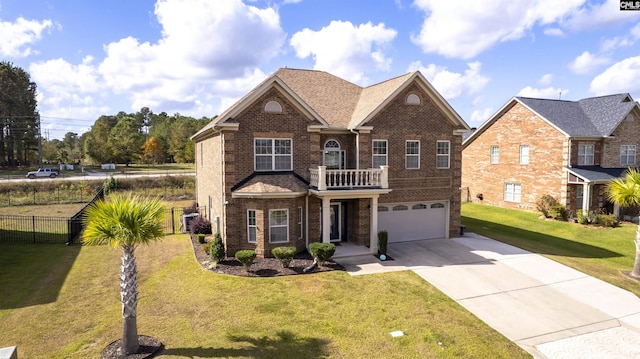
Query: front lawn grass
(63, 302)
(603, 253)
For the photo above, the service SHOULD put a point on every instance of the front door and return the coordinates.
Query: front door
(336, 222)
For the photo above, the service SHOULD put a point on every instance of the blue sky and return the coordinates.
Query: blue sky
(197, 57)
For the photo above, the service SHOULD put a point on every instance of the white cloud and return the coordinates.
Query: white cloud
(480, 116)
(453, 84)
(465, 31)
(599, 15)
(346, 50)
(18, 35)
(553, 31)
(620, 77)
(546, 80)
(549, 92)
(225, 39)
(587, 63)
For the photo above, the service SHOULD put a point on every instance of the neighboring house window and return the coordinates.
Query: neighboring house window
(524, 155)
(299, 223)
(579, 196)
(412, 150)
(252, 227)
(273, 107)
(278, 225)
(443, 153)
(380, 153)
(585, 154)
(333, 157)
(627, 155)
(413, 99)
(273, 154)
(512, 192)
(495, 155)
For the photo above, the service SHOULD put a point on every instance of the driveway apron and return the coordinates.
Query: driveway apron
(550, 310)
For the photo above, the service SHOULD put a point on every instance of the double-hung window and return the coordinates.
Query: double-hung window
(380, 153)
(278, 225)
(443, 154)
(495, 155)
(512, 192)
(252, 226)
(627, 155)
(585, 154)
(412, 152)
(273, 154)
(524, 154)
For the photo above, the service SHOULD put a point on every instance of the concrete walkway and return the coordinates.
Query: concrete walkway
(548, 309)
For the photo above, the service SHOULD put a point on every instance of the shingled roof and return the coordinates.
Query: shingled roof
(334, 102)
(589, 117)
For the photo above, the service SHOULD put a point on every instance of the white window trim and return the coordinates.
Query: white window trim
(627, 156)
(411, 155)
(252, 226)
(273, 155)
(447, 155)
(513, 195)
(494, 156)
(584, 155)
(300, 221)
(374, 155)
(271, 226)
(524, 157)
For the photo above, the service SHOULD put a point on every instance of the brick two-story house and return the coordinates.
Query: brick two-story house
(306, 156)
(567, 149)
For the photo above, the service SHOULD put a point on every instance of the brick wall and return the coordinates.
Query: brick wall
(627, 133)
(543, 175)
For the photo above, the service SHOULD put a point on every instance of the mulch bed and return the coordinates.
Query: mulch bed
(261, 267)
(149, 347)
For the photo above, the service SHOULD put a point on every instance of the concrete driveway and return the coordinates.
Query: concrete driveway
(548, 309)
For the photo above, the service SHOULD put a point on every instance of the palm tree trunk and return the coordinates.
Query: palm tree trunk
(129, 296)
(636, 266)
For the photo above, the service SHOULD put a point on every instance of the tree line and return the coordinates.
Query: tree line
(141, 137)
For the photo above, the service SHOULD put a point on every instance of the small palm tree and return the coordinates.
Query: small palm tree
(625, 192)
(125, 222)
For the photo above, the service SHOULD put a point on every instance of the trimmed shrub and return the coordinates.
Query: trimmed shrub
(558, 212)
(581, 217)
(206, 247)
(383, 240)
(321, 252)
(201, 238)
(246, 257)
(200, 225)
(217, 248)
(284, 254)
(607, 220)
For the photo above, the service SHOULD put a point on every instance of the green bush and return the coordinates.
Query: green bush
(246, 257)
(558, 212)
(545, 203)
(383, 240)
(217, 248)
(201, 237)
(321, 252)
(206, 247)
(607, 220)
(581, 217)
(284, 254)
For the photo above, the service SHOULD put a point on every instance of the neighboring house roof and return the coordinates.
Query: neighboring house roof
(334, 102)
(589, 117)
(271, 185)
(596, 173)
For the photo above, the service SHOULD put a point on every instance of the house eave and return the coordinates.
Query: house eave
(268, 195)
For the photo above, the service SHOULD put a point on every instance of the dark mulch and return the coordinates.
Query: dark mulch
(261, 267)
(149, 347)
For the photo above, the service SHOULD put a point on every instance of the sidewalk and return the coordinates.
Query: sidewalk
(550, 310)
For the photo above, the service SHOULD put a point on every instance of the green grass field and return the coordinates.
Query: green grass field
(603, 253)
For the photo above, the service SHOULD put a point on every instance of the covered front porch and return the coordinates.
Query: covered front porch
(589, 182)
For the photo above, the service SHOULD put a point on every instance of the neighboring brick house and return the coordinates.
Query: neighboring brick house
(307, 156)
(567, 149)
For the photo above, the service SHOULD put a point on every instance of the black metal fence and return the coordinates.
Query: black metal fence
(40, 229)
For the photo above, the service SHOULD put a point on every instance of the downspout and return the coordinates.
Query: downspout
(306, 220)
(357, 147)
(222, 218)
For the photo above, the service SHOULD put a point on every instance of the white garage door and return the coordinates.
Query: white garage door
(412, 221)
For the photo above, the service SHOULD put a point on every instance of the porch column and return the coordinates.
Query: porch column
(326, 220)
(586, 197)
(373, 240)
